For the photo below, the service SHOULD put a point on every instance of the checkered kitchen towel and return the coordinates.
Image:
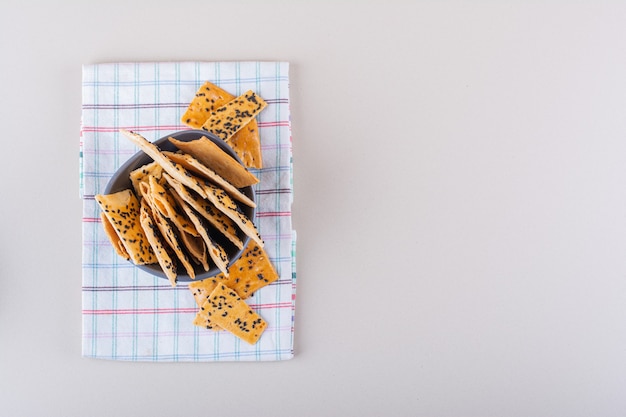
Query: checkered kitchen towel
(129, 314)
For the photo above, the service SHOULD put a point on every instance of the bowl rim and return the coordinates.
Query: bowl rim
(140, 158)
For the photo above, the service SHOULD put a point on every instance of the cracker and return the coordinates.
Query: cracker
(153, 151)
(228, 119)
(213, 157)
(115, 240)
(191, 164)
(142, 173)
(166, 205)
(122, 211)
(196, 248)
(247, 145)
(252, 271)
(226, 309)
(202, 319)
(227, 205)
(144, 190)
(216, 252)
(156, 242)
(168, 234)
(207, 210)
(208, 98)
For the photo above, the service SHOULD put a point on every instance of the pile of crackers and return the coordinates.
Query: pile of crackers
(179, 203)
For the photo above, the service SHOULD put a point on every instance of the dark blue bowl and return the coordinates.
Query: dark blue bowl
(121, 181)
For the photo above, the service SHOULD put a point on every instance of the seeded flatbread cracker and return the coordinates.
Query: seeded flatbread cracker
(142, 173)
(202, 320)
(208, 98)
(226, 309)
(227, 205)
(216, 252)
(152, 193)
(223, 203)
(167, 231)
(196, 248)
(247, 145)
(227, 120)
(168, 234)
(122, 211)
(156, 242)
(252, 271)
(219, 220)
(210, 155)
(115, 240)
(144, 190)
(191, 164)
(153, 151)
(164, 202)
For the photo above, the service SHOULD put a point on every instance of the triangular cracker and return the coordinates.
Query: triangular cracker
(166, 205)
(207, 210)
(196, 247)
(216, 252)
(210, 155)
(142, 173)
(168, 234)
(156, 241)
(115, 240)
(168, 166)
(191, 164)
(227, 205)
(223, 203)
(122, 211)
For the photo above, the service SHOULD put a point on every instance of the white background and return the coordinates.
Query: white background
(460, 203)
